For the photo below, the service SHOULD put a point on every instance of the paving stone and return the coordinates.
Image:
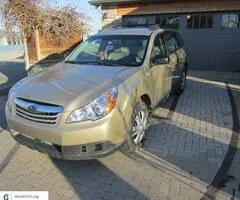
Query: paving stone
(179, 160)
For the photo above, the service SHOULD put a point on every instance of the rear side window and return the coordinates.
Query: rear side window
(171, 42)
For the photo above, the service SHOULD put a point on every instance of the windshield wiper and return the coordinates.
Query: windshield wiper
(85, 62)
(119, 65)
(104, 63)
(110, 64)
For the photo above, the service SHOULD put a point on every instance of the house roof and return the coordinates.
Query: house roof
(114, 2)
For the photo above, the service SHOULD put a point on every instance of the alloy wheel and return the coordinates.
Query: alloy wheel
(139, 127)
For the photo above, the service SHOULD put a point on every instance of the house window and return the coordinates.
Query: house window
(163, 21)
(168, 21)
(200, 21)
(231, 21)
(138, 20)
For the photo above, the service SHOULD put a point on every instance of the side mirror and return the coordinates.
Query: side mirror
(160, 60)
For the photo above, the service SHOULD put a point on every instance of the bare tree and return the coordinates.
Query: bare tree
(24, 15)
(63, 23)
(58, 24)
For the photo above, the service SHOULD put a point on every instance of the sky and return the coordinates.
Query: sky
(83, 5)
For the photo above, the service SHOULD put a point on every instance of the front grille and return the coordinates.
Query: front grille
(37, 112)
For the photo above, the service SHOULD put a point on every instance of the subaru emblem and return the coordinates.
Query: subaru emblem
(32, 108)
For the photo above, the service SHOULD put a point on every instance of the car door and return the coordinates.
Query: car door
(160, 74)
(173, 51)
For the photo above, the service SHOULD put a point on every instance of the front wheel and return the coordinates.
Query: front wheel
(140, 118)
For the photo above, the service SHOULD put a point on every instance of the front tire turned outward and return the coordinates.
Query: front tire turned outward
(140, 118)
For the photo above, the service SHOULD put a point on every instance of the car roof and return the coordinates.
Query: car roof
(146, 31)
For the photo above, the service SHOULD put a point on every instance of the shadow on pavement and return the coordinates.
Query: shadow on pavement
(11, 72)
(3, 123)
(226, 77)
(91, 180)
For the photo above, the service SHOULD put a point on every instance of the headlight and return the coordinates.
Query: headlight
(11, 93)
(99, 108)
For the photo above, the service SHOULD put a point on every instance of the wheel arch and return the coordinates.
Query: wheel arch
(147, 100)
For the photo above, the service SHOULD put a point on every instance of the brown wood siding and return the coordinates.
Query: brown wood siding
(177, 7)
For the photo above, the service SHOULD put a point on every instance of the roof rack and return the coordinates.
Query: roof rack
(150, 27)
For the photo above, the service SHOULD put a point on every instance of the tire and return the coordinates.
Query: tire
(133, 143)
(182, 84)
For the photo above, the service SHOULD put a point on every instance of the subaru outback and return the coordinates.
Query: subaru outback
(100, 97)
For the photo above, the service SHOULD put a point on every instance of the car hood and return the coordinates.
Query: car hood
(71, 85)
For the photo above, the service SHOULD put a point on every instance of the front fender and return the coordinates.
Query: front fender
(129, 92)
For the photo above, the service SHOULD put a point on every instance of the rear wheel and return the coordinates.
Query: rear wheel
(140, 118)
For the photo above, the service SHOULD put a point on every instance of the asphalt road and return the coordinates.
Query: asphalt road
(12, 67)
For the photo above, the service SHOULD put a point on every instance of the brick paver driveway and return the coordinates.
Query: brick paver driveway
(183, 157)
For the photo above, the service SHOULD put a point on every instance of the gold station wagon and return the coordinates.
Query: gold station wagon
(100, 97)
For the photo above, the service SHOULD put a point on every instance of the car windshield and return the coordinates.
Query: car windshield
(119, 50)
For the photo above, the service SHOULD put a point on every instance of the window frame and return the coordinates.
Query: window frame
(152, 19)
(195, 21)
(227, 25)
(129, 19)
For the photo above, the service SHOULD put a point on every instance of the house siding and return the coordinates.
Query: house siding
(178, 7)
(209, 49)
(111, 15)
(212, 49)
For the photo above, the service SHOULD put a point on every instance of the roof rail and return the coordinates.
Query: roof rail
(150, 27)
